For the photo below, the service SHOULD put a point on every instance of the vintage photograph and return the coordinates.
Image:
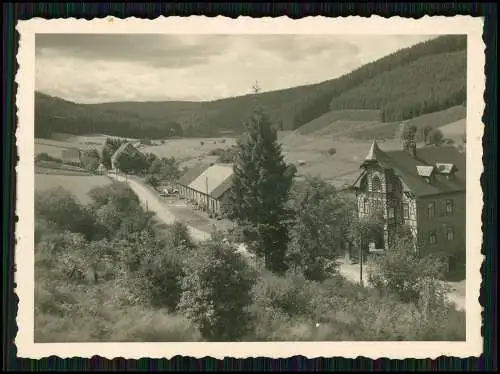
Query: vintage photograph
(251, 187)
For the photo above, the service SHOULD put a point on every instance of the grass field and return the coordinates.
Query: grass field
(188, 149)
(350, 132)
(79, 185)
(365, 124)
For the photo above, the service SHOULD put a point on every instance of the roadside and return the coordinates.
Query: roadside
(170, 213)
(153, 203)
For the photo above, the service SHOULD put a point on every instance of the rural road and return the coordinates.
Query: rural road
(152, 201)
(349, 271)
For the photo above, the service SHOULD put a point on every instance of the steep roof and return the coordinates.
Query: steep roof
(125, 147)
(213, 177)
(373, 153)
(222, 188)
(192, 173)
(407, 168)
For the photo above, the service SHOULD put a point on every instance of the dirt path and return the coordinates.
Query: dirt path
(349, 271)
(153, 203)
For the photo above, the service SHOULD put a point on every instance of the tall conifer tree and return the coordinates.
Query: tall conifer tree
(261, 184)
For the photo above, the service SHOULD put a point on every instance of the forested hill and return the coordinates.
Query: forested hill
(427, 77)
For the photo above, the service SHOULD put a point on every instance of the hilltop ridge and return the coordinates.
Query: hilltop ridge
(425, 78)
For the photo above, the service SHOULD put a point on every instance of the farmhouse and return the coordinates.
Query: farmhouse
(206, 186)
(125, 149)
(423, 189)
(71, 155)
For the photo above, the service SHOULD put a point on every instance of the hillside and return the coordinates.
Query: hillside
(425, 78)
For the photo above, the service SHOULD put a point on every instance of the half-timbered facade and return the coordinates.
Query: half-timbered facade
(423, 189)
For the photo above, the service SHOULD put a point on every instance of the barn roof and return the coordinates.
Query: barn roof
(192, 173)
(222, 188)
(211, 180)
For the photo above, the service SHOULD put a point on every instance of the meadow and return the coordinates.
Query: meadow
(331, 146)
(78, 184)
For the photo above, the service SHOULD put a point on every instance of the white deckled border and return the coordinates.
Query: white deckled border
(24, 255)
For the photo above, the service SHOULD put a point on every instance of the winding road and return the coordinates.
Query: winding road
(152, 201)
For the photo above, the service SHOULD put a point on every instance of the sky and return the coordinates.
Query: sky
(94, 68)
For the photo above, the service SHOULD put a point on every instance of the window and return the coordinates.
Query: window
(449, 207)
(406, 211)
(442, 210)
(430, 210)
(376, 184)
(366, 207)
(391, 212)
(450, 234)
(432, 237)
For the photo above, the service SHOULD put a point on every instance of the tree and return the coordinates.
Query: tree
(166, 169)
(216, 292)
(403, 272)
(110, 147)
(436, 137)
(317, 230)
(261, 184)
(152, 180)
(426, 131)
(366, 229)
(117, 193)
(62, 209)
(91, 159)
(134, 162)
(408, 135)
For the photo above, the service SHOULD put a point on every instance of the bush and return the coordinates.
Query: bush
(216, 293)
(402, 272)
(117, 193)
(46, 157)
(314, 236)
(64, 211)
(332, 151)
(436, 137)
(152, 180)
(202, 143)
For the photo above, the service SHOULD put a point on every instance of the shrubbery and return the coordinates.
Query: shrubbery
(113, 275)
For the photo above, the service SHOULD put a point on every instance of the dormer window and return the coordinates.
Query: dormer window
(426, 172)
(446, 169)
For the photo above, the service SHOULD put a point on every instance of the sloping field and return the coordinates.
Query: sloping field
(342, 127)
(79, 185)
(185, 149)
(310, 154)
(436, 119)
(455, 130)
(327, 119)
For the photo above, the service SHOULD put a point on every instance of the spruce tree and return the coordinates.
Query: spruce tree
(261, 184)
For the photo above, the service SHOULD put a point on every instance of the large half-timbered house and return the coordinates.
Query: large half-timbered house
(421, 188)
